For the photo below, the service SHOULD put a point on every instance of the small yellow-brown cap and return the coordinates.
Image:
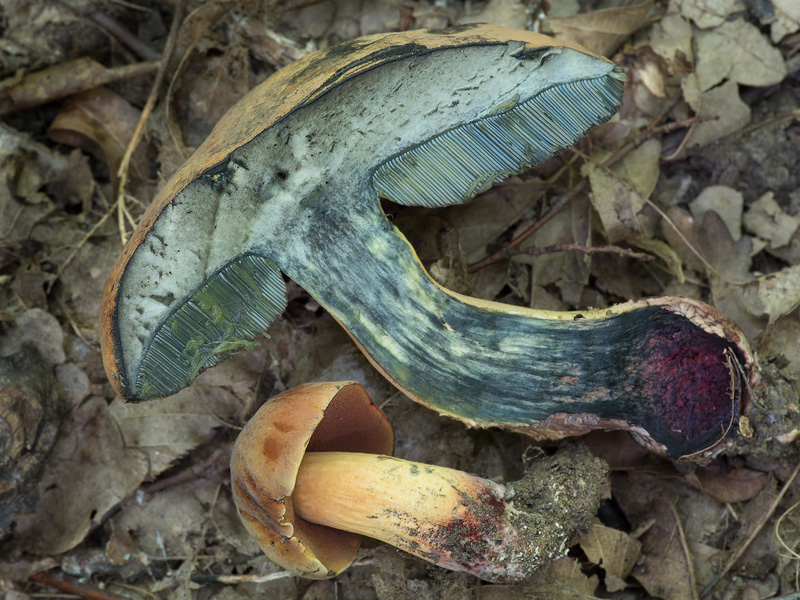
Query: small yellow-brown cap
(315, 417)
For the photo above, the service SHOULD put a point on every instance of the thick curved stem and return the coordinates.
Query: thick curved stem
(672, 370)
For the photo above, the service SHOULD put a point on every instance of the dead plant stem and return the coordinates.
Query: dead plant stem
(122, 172)
(759, 526)
(686, 552)
(579, 187)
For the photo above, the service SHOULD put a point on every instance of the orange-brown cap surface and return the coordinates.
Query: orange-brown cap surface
(313, 417)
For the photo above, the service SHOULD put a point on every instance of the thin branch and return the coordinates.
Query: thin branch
(759, 526)
(80, 244)
(66, 585)
(686, 552)
(530, 251)
(122, 172)
(562, 201)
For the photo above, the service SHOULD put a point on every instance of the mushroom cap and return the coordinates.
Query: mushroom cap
(265, 108)
(315, 417)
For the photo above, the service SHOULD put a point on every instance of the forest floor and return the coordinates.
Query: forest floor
(693, 189)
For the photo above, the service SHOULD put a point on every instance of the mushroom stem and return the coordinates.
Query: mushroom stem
(672, 370)
(447, 517)
(428, 511)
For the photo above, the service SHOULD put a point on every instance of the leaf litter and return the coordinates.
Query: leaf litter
(698, 171)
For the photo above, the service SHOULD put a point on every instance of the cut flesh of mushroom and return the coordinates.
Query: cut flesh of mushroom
(289, 181)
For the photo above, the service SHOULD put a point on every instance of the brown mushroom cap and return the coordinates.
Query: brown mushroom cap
(316, 417)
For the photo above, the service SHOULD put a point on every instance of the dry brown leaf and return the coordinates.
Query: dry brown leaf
(505, 13)
(766, 219)
(786, 19)
(663, 251)
(613, 550)
(663, 568)
(738, 485)
(101, 123)
(723, 200)
(672, 37)
(39, 328)
(709, 13)
(721, 111)
(601, 31)
(568, 270)
(209, 84)
(64, 79)
(562, 579)
(737, 51)
(89, 472)
(172, 427)
(619, 199)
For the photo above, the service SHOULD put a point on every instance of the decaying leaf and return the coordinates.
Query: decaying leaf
(91, 451)
(720, 110)
(101, 123)
(709, 13)
(737, 51)
(766, 219)
(723, 200)
(613, 550)
(601, 30)
(620, 197)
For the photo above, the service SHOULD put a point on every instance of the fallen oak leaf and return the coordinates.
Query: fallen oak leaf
(99, 122)
(601, 30)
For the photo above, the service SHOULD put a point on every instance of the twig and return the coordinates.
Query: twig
(759, 526)
(79, 589)
(517, 250)
(216, 461)
(66, 79)
(686, 552)
(235, 579)
(79, 245)
(122, 172)
(125, 37)
(661, 213)
(561, 202)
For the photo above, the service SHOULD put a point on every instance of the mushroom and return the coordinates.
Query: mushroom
(289, 181)
(312, 472)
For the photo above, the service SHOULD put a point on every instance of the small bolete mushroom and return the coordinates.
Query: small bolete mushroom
(289, 181)
(312, 472)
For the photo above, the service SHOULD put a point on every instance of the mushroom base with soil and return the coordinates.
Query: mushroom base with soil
(311, 474)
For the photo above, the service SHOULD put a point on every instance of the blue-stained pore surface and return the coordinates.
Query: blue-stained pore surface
(234, 305)
(455, 166)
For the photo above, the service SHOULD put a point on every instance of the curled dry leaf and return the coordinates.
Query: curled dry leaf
(65, 79)
(101, 123)
(601, 31)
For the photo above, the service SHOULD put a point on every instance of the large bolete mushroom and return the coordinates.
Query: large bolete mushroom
(289, 181)
(312, 472)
